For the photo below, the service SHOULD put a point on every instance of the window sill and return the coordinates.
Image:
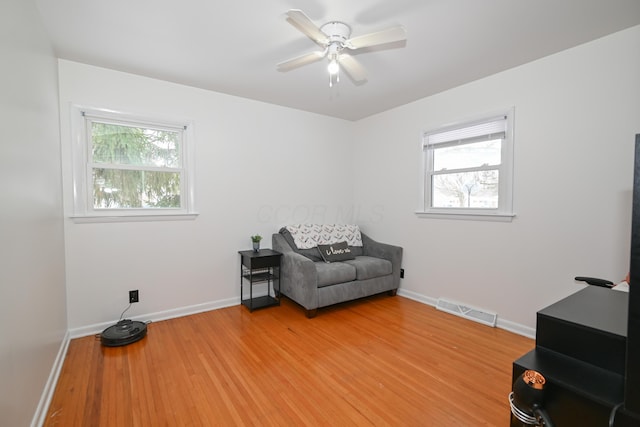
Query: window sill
(93, 219)
(469, 216)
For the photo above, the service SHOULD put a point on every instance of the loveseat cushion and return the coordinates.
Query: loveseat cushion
(335, 272)
(369, 267)
(313, 253)
(356, 250)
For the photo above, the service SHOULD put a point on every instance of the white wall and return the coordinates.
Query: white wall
(576, 114)
(32, 289)
(258, 167)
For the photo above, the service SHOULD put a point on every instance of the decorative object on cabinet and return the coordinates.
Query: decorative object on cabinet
(256, 242)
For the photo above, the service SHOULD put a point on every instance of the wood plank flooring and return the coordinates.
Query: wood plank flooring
(380, 361)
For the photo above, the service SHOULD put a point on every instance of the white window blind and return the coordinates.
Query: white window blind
(494, 128)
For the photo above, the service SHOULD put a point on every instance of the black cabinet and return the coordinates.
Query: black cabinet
(580, 350)
(262, 267)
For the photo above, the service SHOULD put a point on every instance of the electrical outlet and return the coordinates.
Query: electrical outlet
(133, 296)
(402, 273)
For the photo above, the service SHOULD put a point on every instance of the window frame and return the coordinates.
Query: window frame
(504, 211)
(82, 172)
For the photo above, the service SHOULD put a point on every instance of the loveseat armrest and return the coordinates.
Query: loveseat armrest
(386, 251)
(298, 276)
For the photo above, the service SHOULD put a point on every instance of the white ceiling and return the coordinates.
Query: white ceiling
(233, 46)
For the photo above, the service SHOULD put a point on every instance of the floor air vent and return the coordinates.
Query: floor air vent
(471, 313)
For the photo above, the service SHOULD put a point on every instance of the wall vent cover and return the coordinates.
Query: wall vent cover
(472, 313)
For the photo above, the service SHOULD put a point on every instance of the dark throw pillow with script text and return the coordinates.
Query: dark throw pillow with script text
(336, 252)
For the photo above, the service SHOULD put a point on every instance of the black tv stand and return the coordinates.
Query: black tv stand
(580, 349)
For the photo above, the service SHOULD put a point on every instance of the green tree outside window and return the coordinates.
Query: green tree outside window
(135, 167)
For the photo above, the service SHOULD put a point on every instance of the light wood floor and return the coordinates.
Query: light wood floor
(381, 361)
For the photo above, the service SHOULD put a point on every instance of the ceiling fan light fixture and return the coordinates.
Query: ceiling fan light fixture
(334, 37)
(333, 67)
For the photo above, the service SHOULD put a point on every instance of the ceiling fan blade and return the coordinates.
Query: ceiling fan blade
(353, 69)
(390, 35)
(298, 19)
(299, 61)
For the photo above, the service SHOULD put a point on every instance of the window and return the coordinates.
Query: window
(131, 167)
(468, 169)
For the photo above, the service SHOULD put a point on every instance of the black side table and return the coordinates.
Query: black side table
(260, 267)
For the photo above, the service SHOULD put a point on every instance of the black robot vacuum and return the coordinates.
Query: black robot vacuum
(124, 332)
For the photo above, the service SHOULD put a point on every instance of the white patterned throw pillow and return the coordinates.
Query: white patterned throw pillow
(307, 236)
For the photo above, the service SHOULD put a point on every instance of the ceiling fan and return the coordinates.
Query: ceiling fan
(334, 38)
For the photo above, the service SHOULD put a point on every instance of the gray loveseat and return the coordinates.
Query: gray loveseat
(313, 283)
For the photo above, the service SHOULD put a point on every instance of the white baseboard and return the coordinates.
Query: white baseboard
(157, 316)
(507, 325)
(417, 297)
(50, 387)
(516, 328)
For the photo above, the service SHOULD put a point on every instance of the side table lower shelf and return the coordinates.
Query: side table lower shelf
(260, 302)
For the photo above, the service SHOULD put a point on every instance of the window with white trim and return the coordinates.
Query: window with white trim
(130, 166)
(468, 169)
